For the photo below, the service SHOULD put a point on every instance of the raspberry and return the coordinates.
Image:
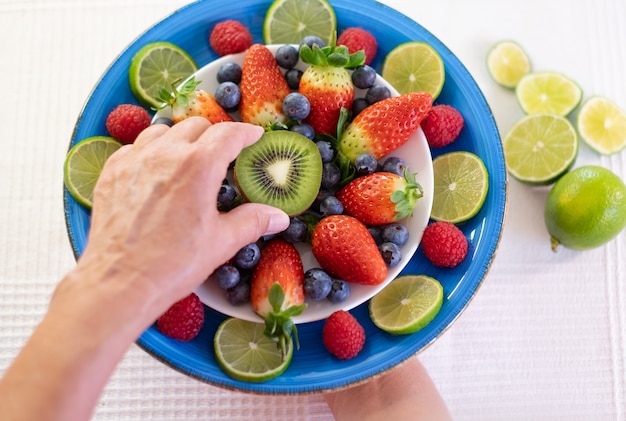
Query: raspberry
(230, 37)
(442, 125)
(444, 244)
(183, 320)
(359, 39)
(343, 335)
(126, 121)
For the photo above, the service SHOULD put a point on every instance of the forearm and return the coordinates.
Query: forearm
(63, 368)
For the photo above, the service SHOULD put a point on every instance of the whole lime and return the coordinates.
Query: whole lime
(585, 208)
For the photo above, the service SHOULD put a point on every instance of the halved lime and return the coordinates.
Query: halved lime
(407, 304)
(414, 67)
(288, 21)
(461, 182)
(244, 353)
(507, 63)
(155, 66)
(602, 125)
(540, 148)
(548, 92)
(83, 165)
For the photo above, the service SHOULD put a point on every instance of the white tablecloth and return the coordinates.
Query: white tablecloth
(545, 337)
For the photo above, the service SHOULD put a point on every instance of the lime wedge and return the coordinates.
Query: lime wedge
(548, 92)
(602, 125)
(540, 148)
(507, 63)
(83, 165)
(461, 182)
(288, 21)
(407, 304)
(155, 66)
(414, 67)
(244, 353)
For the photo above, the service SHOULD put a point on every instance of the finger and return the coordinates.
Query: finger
(188, 130)
(225, 140)
(150, 133)
(118, 155)
(248, 222)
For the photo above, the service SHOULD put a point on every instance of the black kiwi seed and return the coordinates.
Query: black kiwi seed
(282, 169)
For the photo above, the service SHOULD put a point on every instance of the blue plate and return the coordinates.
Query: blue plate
(313, 369)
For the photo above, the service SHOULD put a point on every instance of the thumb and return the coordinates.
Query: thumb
(248, 222)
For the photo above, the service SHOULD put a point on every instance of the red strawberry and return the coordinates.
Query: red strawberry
(343, 335)
(230, 37)
(263, 88)
(327, 84)
(380, 197)
(345, 248)
(444, 244)
(385, 125)
(277, 289)
(126, 121)
(359, 39)
(187, 101)
(183, 320)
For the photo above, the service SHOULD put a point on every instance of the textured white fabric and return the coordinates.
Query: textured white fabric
(545, 337)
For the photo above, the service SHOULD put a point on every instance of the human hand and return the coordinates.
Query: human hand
(155, 217)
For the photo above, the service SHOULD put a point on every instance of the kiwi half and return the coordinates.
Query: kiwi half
(282, 169)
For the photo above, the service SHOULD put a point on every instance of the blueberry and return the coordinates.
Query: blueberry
(331, 206)
(239, 294)
(395, 165)
(377, 233)
(227, 276)
(339, 292)
(296, 231)
(358, 105)
(228, 95)
(321, 195)
(293, 76)
(304, 129)
(229, 72)
(391, 253)
(365, 164)
(248, 256)
(330, 175)
(317, 283)
(364, 77)
(327, 152)
(296, 106)
(395, 233)
(287, 56)
(163, 120)
(226, 198)
(310, 40)
(377, 93)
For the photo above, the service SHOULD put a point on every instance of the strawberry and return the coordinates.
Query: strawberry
(263, 88)
(344, 247)
(343, 335)
(187, 101)
(277, 289)
(385, 125)
(380, 197)
(327, 84)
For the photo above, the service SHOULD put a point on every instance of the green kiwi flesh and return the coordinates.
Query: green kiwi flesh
(282, 169)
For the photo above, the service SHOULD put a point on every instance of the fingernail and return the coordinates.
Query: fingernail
(278, 221)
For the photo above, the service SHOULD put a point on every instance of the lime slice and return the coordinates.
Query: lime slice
(507, 63)
(244, 353)
(540, 148)
(288, 21)
(83, 165)
(407, 304)
(602, 125)
(548, 92)
(155, 66)
(460, 186)
(414, 67)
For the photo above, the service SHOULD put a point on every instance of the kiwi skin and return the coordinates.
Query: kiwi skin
(282, 169)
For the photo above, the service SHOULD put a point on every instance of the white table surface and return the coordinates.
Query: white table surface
(545, 337)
